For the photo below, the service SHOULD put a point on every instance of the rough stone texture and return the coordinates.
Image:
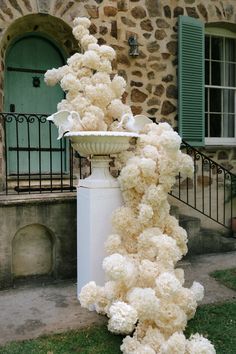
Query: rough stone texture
(153, 7)
(172, 47)
(138, 96)
(122, 5)
(137, 73)
(136, 84)
(160, 34)
(167, 11)
(203, 11)
(167, 108)
(178, 11)
(168, 78)
(138, 12)
(159, 90)
(153, 47)
(92, 11)
(161, 23)
(128, 22)
(110, 11)
(136, 109)
(191, 11)
(146, 25)
(153, 101)
(171, 91)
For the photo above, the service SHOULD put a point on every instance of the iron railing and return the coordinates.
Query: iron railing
(34, 160)
(211, 191)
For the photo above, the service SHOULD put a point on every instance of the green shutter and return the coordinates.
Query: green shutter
(191, 80)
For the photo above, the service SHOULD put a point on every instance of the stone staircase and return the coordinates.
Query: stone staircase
(201, 239)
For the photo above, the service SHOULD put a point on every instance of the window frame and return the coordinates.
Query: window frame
(214, 141)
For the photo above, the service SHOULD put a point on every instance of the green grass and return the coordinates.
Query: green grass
(216, 322)
(226, 277)
(95, 340)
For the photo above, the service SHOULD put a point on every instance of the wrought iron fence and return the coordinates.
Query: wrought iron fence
(34, 160)
(211, 191)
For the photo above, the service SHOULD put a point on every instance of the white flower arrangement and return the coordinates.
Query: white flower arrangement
(144, 295)
(145, 248)
(87, 82)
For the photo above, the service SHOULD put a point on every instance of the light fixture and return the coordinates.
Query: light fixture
(133, 44)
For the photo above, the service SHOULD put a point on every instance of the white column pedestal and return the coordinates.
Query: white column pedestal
(97, 197)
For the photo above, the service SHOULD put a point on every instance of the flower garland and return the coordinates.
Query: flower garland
(144, 295)
(93, 97)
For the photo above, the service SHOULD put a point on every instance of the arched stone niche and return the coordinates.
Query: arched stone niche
(33, 251)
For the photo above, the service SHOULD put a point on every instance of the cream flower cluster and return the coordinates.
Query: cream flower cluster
(145, 294)
(91, 91)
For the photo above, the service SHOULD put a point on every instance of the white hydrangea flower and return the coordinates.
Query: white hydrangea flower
(118, 85)
(167, 285)
(116, 109)
(150, 152)
(148, 272)
(130, 345)
(129, 177)
(113, 244)
(91, 59)
(79, 32)
(197, 344)
(123, 318)
(176, 344)
(118, 267)
(145, 213)
(145, 302)
(101, 78)
(75, 62)
(105, 66)
(86, 40)
(83, 21)
(51, 77)
(70, 82)
(107, 52)
(198, 291)
(88, 294)
(170, 318)
(154, 338)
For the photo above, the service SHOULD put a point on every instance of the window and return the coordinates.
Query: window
(207, 97)
(220, 86)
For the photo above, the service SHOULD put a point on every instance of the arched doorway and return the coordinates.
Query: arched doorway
(30, 139)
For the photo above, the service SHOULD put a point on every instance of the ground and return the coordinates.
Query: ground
(29, 311)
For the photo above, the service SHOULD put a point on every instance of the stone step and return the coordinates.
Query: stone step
(202, 240)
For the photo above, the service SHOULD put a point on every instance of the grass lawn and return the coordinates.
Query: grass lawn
(226, 277)
(216, 322)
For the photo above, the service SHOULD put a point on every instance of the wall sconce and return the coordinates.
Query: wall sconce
(133, 44)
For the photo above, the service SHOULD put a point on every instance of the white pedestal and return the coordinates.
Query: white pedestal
(97, 197)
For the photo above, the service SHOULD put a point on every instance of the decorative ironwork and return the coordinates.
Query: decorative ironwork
(36, 151)
(211, 190)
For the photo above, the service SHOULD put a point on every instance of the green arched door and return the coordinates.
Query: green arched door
(30, 141)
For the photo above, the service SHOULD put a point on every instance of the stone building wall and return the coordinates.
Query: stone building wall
(151, 77)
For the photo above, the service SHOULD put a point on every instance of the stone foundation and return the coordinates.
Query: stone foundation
(38, 238)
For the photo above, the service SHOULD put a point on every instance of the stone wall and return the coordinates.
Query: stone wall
(37, 237)
(151, 77)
